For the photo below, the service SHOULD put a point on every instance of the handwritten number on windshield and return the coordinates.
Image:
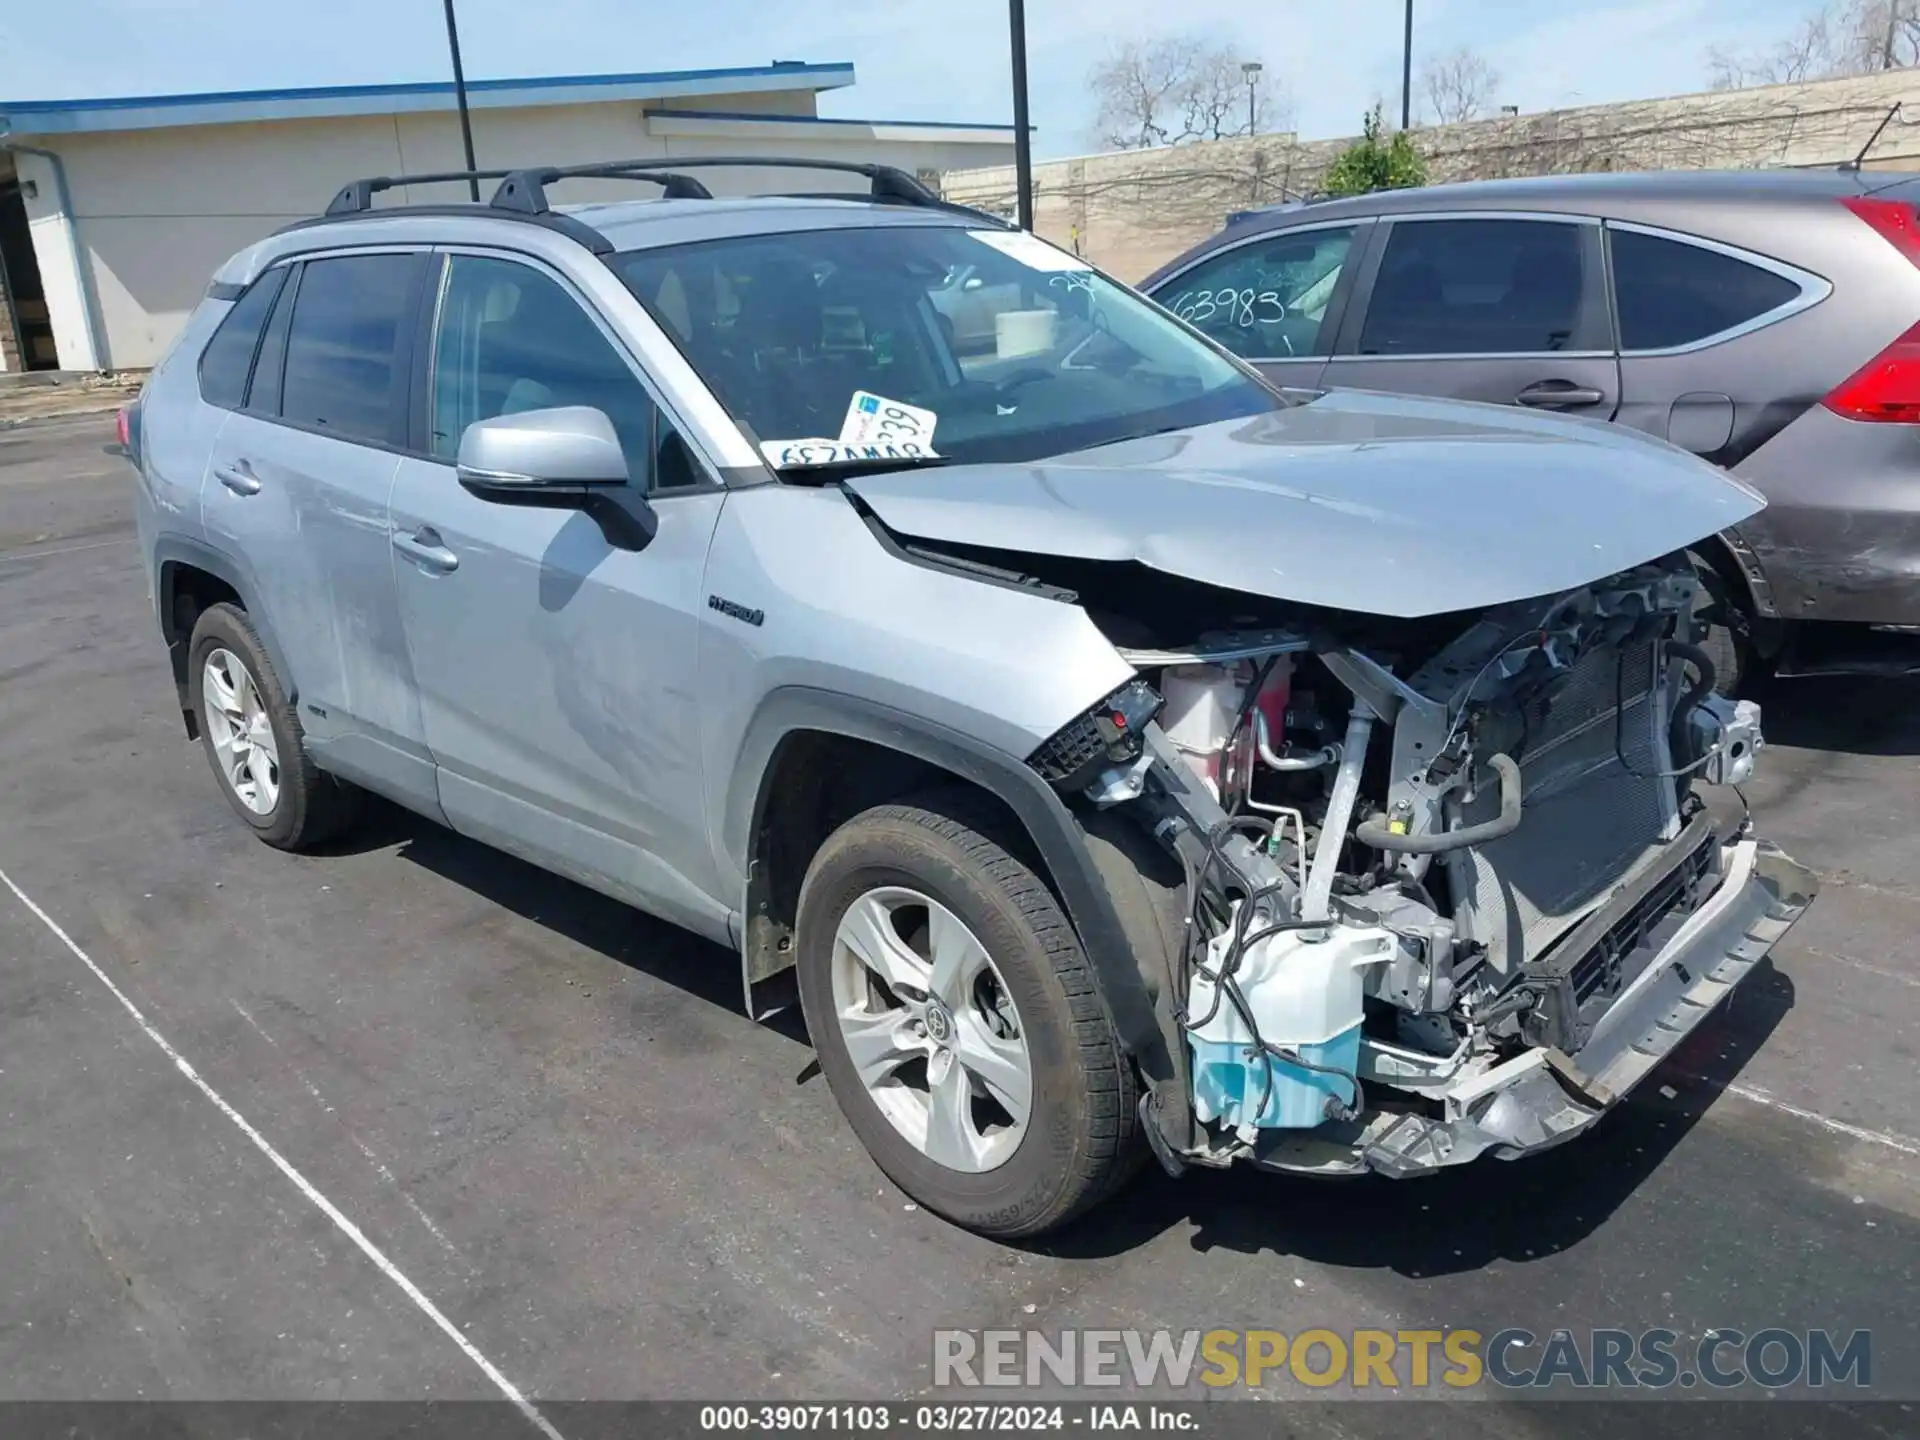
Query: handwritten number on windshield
(1245, 308)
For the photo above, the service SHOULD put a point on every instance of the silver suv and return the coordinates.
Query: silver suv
(1113, 754)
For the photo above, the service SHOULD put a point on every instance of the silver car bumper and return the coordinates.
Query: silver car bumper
(1541, 1098)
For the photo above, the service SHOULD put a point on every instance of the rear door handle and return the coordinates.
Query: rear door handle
(424, 546)
(238, 477)
(1554, 394)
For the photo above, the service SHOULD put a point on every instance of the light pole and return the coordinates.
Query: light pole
(1251, 70)
(460, 99)
(1022, 142)
(1406, 73)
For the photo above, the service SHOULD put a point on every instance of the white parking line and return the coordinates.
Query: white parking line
(305, 1186)
(1838, 1127)
(372, 1159)
(1812, 1117)
(26, 554)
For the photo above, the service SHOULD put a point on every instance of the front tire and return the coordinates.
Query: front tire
(957, 1022)
(253, 738)
(1726, 630)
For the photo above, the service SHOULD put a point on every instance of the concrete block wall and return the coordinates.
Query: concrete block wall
(1131, 211)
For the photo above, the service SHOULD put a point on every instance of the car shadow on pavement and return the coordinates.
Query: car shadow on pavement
(618, 931)
(1462, 1219)
(1851, 714)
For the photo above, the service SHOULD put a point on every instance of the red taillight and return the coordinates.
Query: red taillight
(1893, 221)
(1887, 387)
(123, 425)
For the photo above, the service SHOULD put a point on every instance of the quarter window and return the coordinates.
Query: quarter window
(343, 372)
(263, 395)
(228, 359)
(1484, 287)
(1267, 299)
(510, 339)
(1672, 293)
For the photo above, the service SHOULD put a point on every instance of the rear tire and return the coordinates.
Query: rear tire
(927, 867)
(253, 739)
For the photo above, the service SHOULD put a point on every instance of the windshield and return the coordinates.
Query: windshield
(922, 344)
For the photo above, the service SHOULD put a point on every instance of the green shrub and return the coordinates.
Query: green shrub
(1370, 164)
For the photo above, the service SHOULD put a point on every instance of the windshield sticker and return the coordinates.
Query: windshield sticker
(874, 419)
(1030, 250)
(803, 454)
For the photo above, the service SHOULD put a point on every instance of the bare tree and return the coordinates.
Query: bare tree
(1135, 89)
(1879, 35)
(1843, 37)
(1179, 88)
(1808, 53)
(1217, 99)
(1458, 86)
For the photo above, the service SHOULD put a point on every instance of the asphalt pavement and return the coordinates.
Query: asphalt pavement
(548, 1124)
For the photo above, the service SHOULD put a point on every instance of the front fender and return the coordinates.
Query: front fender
(1055, 831)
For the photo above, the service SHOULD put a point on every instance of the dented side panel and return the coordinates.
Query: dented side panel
(1840, 537)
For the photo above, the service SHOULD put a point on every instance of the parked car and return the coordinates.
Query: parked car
(1768, 321)
(1112, 753)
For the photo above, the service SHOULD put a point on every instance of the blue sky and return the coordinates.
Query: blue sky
(917, 59)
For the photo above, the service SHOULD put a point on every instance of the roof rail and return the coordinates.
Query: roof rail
(557, 221)
(357, 195)
(520, 184)
(525, 190)
(522, 193)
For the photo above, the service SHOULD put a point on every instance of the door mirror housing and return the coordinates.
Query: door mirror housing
(564, 458)
(571, 445)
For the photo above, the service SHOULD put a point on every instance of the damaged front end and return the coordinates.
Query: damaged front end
(1450, 886)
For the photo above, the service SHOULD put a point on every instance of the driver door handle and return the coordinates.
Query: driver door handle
(424, 546)
(1553, 394)
(238, 477)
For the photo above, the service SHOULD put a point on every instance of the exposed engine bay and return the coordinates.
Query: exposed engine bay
(1444, 876)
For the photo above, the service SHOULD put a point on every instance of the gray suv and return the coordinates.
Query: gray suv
(1768, 321)
(1114, 756)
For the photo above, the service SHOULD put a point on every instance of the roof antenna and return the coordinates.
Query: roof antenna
(1853, 166)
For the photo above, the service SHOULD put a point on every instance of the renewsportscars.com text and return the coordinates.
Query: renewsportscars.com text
(1609, 1359)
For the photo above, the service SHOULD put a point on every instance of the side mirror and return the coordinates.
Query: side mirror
(565, 458)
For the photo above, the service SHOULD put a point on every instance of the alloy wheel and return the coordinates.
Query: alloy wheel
(931, 1029)
(242, 736)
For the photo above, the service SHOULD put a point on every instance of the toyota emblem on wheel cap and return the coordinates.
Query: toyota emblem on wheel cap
(939, 1023)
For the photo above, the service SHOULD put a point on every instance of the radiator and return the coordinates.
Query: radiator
(1589, 820)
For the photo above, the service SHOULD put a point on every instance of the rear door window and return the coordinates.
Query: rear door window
(1486, 287)
(344, 372)
(228, 359)
(1266, 299)
(1670, 292)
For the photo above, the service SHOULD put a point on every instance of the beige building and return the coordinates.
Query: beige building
(113, 213)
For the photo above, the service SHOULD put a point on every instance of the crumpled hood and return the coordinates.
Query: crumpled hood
(1386, 504)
